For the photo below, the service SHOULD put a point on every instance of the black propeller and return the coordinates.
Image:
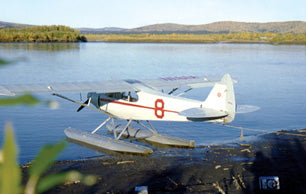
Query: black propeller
(81, 107)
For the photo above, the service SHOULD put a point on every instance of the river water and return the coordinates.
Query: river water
(271, 77)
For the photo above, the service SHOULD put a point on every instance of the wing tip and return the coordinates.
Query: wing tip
(5, 92)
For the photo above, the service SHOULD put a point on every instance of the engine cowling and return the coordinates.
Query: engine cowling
(94, 99)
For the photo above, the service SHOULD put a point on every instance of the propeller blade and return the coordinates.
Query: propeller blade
(81, 107)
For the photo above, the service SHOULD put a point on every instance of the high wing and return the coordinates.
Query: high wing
(109, 86)
(96, 86)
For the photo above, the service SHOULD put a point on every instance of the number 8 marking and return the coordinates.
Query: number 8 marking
(159, 108)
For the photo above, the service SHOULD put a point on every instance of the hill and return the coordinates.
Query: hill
(101, 30)
(212, 28)
(13, 25)
(224, 27)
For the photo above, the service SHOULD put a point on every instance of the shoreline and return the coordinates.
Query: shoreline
(200, 42)
(228, 168)
(266, 38)
(166, 41)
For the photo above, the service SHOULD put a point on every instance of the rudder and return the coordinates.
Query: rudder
(222, 98)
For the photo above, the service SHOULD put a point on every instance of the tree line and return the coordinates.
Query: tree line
(251, 37)
(55, 33)
(59, 33)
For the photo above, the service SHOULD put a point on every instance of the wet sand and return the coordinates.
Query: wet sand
(229, 168)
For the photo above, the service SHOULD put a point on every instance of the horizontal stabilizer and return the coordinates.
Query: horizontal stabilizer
(241, 109)
(202, 113)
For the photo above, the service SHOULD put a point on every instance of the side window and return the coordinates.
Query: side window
(116, 95)
(134, 97)
(130, 96)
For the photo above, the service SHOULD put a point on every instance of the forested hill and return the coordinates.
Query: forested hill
(212, 28)
(297, 27)
(13, 25)
(224, 27)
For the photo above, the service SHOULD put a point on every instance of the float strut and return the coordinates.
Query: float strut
(150, 129)
(102, 124)
(125, 128)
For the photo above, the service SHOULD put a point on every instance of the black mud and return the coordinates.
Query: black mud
(233, 168)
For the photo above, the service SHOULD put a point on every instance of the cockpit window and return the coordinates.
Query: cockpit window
(128, 96)
(116, 95)
(132, 96)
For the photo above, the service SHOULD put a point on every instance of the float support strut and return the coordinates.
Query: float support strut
(102, 124)
(125, 128)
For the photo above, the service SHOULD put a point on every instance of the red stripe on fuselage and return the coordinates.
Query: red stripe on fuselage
(134, 105)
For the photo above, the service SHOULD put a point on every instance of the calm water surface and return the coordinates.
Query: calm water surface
(271, 77)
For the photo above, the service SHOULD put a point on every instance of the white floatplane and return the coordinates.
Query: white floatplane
(139, 101)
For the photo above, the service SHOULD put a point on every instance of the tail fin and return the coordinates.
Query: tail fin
(222, 98)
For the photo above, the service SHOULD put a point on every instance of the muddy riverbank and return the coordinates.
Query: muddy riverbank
(229, 168)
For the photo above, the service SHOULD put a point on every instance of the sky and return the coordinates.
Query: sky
(136, 13)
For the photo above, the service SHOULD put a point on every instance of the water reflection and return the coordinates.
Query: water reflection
(41, 46)
(4, 62)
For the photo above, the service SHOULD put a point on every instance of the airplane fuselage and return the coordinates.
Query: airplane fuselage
(149, 105)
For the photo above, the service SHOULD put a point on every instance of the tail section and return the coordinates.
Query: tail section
(222, 98)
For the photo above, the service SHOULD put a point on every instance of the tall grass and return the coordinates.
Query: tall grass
(201, 38)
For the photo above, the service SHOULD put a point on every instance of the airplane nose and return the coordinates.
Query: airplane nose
(87, 102)
(89, 94)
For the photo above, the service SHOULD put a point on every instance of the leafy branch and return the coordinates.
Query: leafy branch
(10, 172)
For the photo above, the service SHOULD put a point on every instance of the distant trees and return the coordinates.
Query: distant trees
(267, 37)
(55, 33)
(58, 33)
(289, 38)
(249, 37)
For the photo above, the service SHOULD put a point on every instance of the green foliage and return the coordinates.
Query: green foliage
(45, 158)
(41, 34)
(70, 177)
(4, 62)
(10, 172)
(42, 162)
(26, 99)
(50, 181)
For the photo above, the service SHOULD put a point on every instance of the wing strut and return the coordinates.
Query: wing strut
(174, 89)
(84, 105)
(184, 92)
